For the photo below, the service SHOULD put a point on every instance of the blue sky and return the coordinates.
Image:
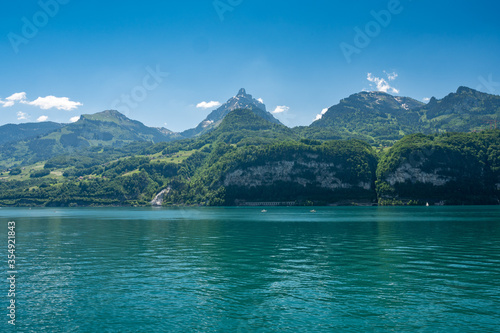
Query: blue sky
(169, 56)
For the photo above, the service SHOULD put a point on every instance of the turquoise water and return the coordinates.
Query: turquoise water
(357, 269)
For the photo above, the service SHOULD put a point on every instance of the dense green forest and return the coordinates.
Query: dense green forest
(364, 151)
(240, 162)
(382, 119)
(451, 168)
(193, 168)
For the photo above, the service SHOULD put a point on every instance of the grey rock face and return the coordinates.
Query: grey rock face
(324, 175)
(158, 200)
(407, 172)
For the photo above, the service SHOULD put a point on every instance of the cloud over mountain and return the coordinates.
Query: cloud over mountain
(383, 85)
(208, 105)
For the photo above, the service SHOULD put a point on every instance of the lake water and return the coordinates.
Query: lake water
(355, 269)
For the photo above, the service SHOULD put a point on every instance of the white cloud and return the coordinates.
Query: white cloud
(60, 103)
(281, 109)
(12, 99)
(22, 116)
(319, 116)
(44, 103)
(426, 99)
(260, 100)
(382, 84)
(42, 119)
(208, 105)
(74, 119)
(207, 123)
(391, 76)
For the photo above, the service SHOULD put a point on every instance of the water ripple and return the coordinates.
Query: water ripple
(238, 270)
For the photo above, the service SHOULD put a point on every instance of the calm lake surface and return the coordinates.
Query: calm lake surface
(355, 269)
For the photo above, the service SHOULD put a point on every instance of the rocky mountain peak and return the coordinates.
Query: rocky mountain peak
(241, 101)
(462, 90)
(242, 92)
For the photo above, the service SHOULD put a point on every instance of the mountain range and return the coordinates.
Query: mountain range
(241, 155)
(382, 119)
(12, 132)
(377, 118)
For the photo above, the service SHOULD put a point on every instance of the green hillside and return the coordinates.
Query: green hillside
(453, 168)
(464, 111)
(374, 117)
(104, 129)
(330, 172)
(196, 169)
(248, 158)
(382, 119)
(245, 127)
(12, 132)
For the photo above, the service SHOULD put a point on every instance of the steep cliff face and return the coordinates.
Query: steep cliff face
(408, 173)
(454, 168)
(326, 173)
(304, 173)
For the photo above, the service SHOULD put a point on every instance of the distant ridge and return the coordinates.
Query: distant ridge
(377, 118)
(109, 128)
(380, 118)
(12, 132)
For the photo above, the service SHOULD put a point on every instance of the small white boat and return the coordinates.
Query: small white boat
(313, 211)
(427, 204)
(263, 211)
